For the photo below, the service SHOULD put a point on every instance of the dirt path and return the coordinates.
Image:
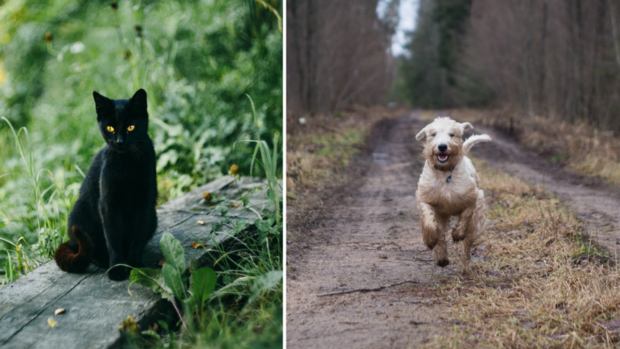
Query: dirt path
(370, 237)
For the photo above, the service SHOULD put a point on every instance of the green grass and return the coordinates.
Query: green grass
(341, 146)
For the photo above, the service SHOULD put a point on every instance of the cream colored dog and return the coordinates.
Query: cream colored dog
(448, 186)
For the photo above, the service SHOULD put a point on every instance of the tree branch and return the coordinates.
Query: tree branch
(373, 289)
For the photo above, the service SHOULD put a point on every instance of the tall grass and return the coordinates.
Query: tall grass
(48, 215)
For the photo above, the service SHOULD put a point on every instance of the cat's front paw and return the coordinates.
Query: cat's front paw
(118, 273)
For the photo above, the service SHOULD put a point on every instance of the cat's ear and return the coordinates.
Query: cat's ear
(100, 101)
(139, 98)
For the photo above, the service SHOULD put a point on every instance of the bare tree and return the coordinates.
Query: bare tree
(338, 53)
(569, 68)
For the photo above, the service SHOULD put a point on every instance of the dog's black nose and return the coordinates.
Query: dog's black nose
(442, 147)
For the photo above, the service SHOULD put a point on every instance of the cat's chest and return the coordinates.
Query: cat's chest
(122, 178)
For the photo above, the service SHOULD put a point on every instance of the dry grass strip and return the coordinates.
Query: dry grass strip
(536, 280)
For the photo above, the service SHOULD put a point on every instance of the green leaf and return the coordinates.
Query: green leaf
(222, 209)
(202, 284)
(265, 282)
(239, 226)
(174, 280)
(246, 200)
(174, 269)
(152, 338)
(193, 265)
(150, 278)
(173, 252)
(163, 325)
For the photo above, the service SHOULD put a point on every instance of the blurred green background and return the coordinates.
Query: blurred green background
(197, 60)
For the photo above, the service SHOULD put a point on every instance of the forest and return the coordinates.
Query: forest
(337, 54)
(551, 58)
(558, 59)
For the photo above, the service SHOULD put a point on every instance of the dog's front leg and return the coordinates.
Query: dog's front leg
(433, 226)
(465, 226)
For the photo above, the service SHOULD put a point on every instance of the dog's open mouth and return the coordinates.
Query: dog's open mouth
(442, 158)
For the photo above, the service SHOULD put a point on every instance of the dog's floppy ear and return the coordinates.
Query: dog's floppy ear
(467, 126)
(421, 134)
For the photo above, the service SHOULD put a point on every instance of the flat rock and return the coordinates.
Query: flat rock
(95, 306)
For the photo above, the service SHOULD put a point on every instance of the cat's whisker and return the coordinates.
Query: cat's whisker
(133, 152)
(137, 152)
(142, 152)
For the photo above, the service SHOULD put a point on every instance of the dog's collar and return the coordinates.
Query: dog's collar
(444, 169)
(449, 179)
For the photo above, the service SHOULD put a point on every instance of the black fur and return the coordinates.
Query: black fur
(116, 207)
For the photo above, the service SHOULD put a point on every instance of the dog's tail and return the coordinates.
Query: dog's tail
(473, 140)
(72, 262)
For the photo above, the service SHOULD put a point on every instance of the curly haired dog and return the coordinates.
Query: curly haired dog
(448, 186)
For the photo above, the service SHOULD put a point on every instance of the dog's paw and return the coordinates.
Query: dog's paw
(443, 262)
(458, 235)
(430, 241)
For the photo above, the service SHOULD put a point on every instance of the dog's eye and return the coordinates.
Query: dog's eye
(451, 134)
(434, 134)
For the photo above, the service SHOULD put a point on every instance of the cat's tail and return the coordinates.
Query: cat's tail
(72, 262)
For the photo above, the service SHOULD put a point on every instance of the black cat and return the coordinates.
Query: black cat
(115, 217)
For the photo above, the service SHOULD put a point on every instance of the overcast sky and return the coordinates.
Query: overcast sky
(408, 12)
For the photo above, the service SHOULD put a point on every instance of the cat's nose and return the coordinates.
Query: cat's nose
(120, 140)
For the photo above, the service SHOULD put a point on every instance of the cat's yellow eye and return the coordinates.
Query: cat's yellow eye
(110, 129)
(131, 128)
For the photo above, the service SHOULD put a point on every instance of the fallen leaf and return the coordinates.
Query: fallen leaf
(161, 262)
(59, 311)
(129, 325)
(235, 205)
(549, 242)
(154, 327)
(207, 196)
(234, 170)
(201, 222)
(197, 245)
(51, 322)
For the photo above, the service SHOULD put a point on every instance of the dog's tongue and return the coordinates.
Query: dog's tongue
(442, 157)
